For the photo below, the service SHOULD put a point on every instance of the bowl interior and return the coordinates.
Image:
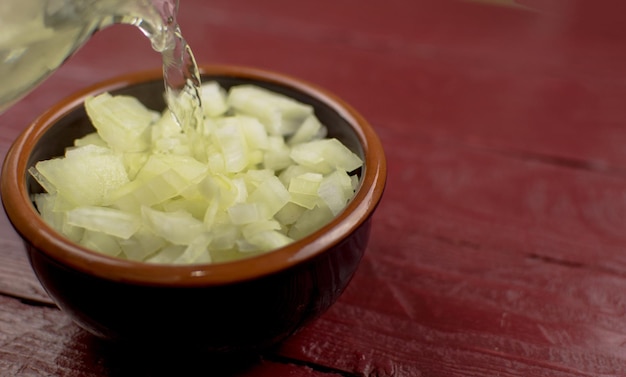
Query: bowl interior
(74, 124)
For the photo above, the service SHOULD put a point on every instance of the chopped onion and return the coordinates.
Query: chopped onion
(258, 174)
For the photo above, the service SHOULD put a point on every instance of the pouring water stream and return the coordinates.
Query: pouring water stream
(38, 36)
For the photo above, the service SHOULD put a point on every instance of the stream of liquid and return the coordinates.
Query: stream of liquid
(37, 36)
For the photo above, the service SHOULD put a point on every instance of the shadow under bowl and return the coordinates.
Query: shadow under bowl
(244, 305)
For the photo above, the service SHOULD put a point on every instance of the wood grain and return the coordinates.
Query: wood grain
(16, 277)
(498, 249)
(478, 74)
(488, 261)
(41, 341)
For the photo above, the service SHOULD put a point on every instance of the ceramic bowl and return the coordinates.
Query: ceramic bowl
(243, 305)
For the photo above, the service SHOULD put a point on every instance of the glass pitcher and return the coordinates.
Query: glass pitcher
(37, 36)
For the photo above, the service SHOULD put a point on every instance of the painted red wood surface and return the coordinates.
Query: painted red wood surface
(499, 248)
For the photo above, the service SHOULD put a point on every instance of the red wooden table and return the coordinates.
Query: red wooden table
(500, 246)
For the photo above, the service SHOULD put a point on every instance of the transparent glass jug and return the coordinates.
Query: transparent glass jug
(37, 36)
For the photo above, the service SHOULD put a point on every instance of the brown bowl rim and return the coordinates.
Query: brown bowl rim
(32, 228)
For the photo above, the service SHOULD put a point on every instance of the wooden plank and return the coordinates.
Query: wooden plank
(482, 264)
(16, 276)
(481, 75)
(430, 322)
(41, 341)
(515, 203)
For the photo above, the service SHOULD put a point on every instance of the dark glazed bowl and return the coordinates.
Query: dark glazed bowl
(237, 306)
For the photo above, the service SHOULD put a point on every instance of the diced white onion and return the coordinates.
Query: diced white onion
(256, 175)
